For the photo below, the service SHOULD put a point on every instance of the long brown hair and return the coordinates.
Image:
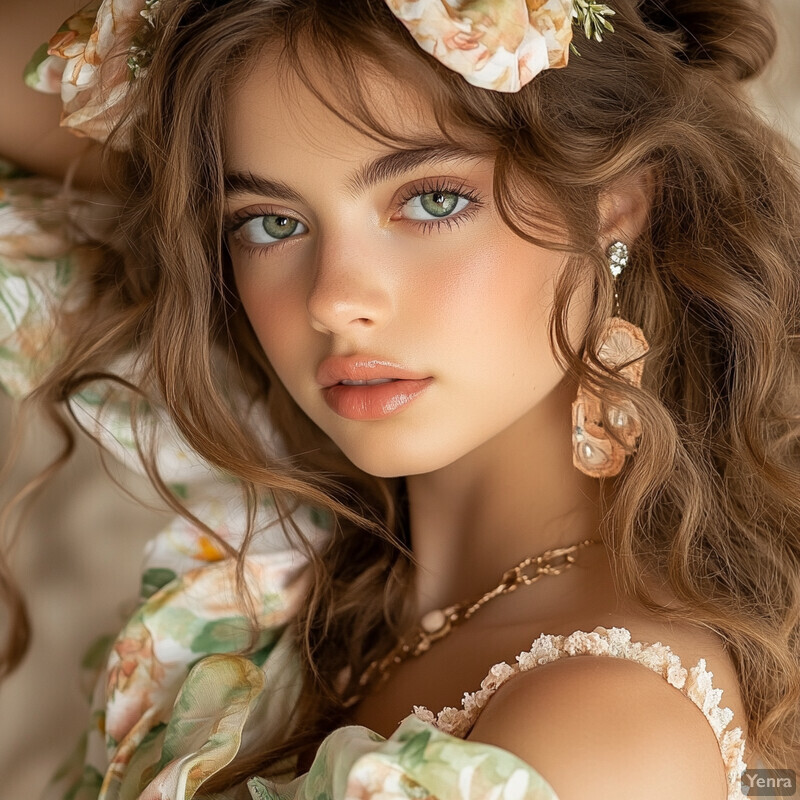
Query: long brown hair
(710, 504)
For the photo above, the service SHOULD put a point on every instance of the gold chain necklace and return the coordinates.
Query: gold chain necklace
(435, 625)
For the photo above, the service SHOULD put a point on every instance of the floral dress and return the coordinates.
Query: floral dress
(174, 703)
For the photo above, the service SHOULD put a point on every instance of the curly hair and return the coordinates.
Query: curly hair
(709, 505)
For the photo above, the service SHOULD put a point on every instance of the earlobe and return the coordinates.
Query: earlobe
(624, 209)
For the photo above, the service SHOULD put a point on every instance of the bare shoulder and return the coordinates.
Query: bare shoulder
(602, 727)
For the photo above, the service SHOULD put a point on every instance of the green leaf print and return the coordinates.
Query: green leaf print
(412, 754)
(154, 579)
(266, 501)
(269, 639)
(31, 72)
(258, 791)
(320, 517)
(10, 311)
(152, 734)
(91, 397)
(225, 635)
(179, 490)
(65, 270)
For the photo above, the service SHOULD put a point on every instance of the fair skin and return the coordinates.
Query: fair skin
(466, 304)
(485, 448)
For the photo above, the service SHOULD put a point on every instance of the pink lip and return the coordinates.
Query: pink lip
(368, 401)
(373, 402)
(335, 369)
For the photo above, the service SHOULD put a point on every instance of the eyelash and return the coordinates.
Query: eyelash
(241, 218)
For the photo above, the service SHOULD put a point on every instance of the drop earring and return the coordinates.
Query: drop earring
(594, 452)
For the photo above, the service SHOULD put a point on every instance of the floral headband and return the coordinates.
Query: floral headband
(495, 44)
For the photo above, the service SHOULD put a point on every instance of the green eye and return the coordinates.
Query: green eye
(268, 229)
(279, 227)
(440, 204)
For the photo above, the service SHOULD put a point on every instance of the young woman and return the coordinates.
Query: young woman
(451, 338)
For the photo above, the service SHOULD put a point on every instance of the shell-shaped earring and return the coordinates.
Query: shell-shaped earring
(594, 452)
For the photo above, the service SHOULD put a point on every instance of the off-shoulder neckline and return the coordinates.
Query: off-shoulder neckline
(616, 642)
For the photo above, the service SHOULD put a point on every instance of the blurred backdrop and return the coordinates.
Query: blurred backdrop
(79, 556)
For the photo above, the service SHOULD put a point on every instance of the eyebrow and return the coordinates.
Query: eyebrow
(376, 171)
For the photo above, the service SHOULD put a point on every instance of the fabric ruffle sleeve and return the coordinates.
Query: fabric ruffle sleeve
(184, 687)
(416, 761)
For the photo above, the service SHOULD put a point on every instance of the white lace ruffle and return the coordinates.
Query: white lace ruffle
(695, 683)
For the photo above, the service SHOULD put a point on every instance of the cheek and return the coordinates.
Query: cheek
(273, 314)
(503, 301)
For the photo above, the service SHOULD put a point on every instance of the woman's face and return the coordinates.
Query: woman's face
(346, 249)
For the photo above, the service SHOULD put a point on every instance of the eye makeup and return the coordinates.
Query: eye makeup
(236, 225)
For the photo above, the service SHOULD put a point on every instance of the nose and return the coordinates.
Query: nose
(351, 289)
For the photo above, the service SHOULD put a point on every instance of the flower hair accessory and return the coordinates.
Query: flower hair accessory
(105, 34)
(494, 44)
(500, 44)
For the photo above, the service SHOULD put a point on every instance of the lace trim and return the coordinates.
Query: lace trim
(694, 683)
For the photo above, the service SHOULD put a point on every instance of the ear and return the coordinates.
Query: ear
(624, 208)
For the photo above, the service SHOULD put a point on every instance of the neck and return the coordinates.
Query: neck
(515, 496)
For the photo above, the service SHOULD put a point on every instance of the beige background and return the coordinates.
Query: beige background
(80, 552)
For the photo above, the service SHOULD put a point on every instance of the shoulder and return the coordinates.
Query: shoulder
(596, 726)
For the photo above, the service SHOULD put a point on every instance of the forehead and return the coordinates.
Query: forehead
(272, 111)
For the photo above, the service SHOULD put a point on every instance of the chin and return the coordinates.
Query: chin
(385, 460)
(384, 465)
